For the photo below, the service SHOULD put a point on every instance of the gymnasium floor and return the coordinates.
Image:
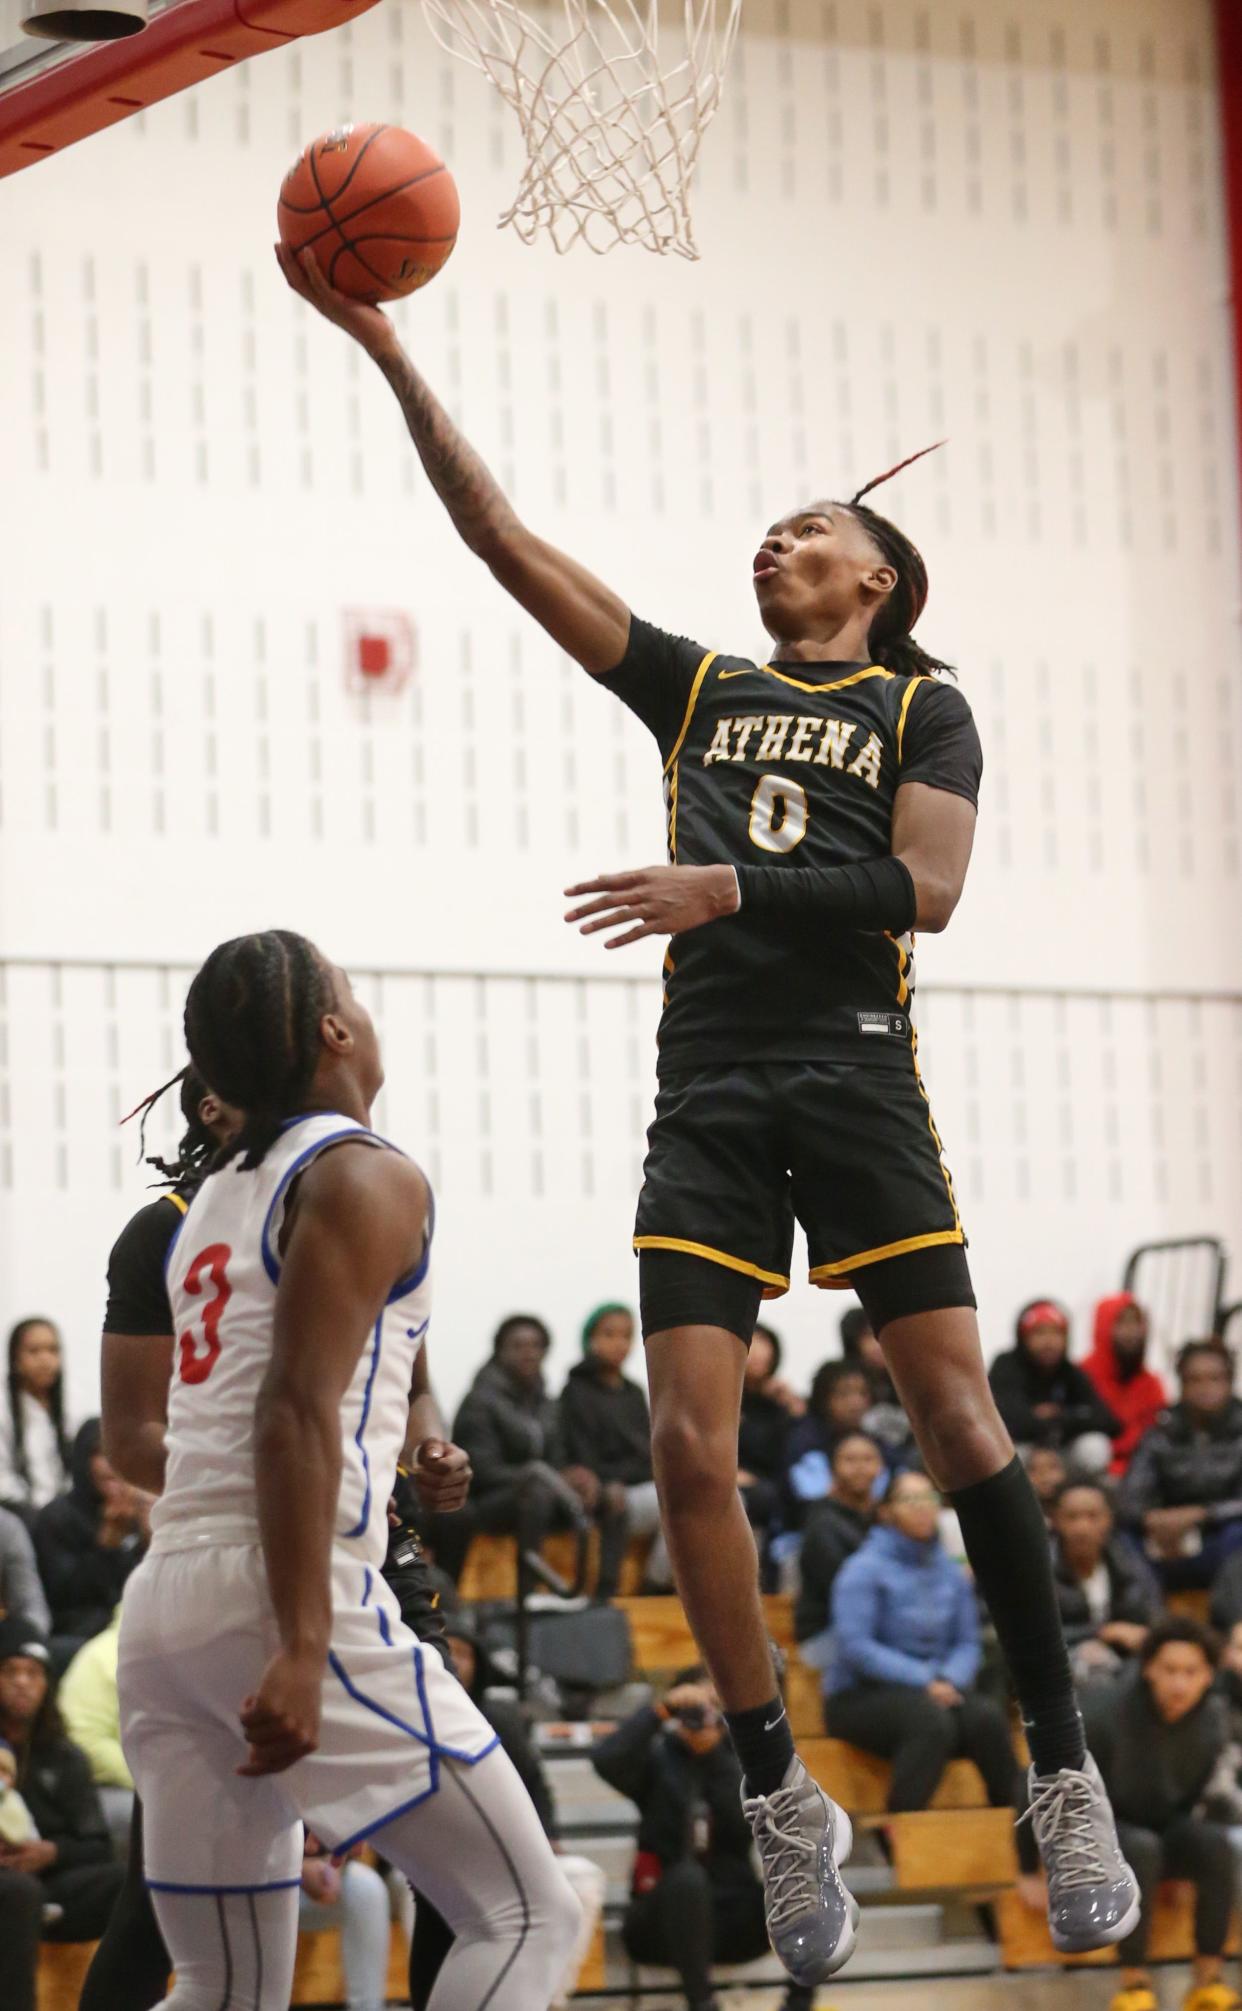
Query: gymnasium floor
(1083, 1992)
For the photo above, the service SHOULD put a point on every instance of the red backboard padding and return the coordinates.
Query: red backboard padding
(179, 47)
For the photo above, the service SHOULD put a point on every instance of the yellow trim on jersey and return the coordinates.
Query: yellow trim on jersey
(178, 1202)
(931, 1126)
(771, 1278)
(828, 1274)
(855, 677)
(905, 707)
(903, 965)
(691, 702)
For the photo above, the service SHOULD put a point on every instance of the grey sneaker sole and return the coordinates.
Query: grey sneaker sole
(843, 1844)
(1078, 1945)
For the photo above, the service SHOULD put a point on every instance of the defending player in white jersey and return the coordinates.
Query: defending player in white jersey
(266, 1676)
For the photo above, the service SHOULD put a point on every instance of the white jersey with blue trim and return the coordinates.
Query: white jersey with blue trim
(223, 1270)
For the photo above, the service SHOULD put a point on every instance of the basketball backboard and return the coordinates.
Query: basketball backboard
(53, 94)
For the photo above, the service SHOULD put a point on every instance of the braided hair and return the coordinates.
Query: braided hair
(252, 1027)
(197, 1148)
(890, 643)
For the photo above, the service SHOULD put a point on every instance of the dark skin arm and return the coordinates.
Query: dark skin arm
(358, 1225)
(588, 620)
(440, 1470)
(933, 833)
(136, 1370)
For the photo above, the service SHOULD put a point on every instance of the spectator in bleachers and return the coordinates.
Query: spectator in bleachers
(1045, 1399)
(1182, 1494)
(1158, 1739)
(770, 1408)
(69, 1866)
(1117, 1365)
(1046, 1471)
(91, 1710)
(34, 1453)
(884, 1417)
(1109, 1600)
(21, 1589)
(352, 1899)
(840, 1399)
(835, 1528)
(432, 1938)
(695, 1900)
(1222, 1800)
(513, 1432)
(906, 1653)
(87, 1543)
(607, 1430)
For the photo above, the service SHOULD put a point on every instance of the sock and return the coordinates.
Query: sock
(763, 1743)
(1007, 1544)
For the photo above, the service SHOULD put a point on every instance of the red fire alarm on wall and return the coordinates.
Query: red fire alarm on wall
(381, 649)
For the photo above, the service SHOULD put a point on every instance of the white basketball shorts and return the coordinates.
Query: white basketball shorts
(197, 1631)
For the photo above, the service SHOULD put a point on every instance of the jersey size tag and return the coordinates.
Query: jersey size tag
(894, 1023)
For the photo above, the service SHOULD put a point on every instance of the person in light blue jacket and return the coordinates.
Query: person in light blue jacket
(906, 1655)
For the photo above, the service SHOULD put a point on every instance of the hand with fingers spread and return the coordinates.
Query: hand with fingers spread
(654, 901)
(281, 1720)
(369, 326)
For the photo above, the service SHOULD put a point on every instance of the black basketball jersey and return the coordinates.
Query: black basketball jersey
(780, 766)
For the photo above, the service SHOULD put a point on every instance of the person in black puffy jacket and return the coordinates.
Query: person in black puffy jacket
(1109, 1600)
(87, 1543)
(1182, 1494)
(607, 1429)
(514, 1434)
(1045, 1399)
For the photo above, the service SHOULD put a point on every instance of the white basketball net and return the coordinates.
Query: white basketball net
(612, 134)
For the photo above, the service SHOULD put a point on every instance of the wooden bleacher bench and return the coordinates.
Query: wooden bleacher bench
(1025, 1943)
(859, 1781)
(490, 1569)
(317, 1979)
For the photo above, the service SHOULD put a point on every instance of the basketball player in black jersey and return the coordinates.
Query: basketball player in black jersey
(130, 1968)
(821, 807)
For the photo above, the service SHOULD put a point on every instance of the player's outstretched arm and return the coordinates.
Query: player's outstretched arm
(358, 1224)
(588, 620)
(917, 886)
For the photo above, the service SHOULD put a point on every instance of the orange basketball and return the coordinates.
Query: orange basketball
(377, 206)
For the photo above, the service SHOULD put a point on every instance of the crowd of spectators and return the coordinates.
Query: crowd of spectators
(1141, 1487)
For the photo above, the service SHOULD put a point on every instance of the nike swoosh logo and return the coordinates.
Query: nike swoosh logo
(748, 672)
(775, 1722)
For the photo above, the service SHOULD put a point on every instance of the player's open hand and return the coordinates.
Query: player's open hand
(281, 1720)
(442, 1473)
(654, 901)
(368, 325)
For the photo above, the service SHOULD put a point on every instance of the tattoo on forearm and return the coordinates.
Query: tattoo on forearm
(465, 485)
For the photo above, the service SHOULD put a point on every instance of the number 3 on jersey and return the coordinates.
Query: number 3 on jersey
(195, 1367)
(778, 813)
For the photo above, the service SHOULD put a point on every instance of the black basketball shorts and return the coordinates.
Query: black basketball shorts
(736, 1154)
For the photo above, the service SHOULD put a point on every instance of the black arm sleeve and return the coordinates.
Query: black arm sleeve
(867, 895)
(655, 678)
(137, 1294)
(940, 745)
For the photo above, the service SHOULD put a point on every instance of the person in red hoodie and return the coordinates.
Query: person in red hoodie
(1117, 1367)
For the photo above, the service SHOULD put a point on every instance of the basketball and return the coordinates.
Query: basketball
(376, 205)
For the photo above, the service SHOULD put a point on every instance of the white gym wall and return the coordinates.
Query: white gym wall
(1003, 225)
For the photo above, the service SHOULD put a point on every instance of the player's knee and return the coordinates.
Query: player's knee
(559, 1918)
(964, 1439)
(695, 1465)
